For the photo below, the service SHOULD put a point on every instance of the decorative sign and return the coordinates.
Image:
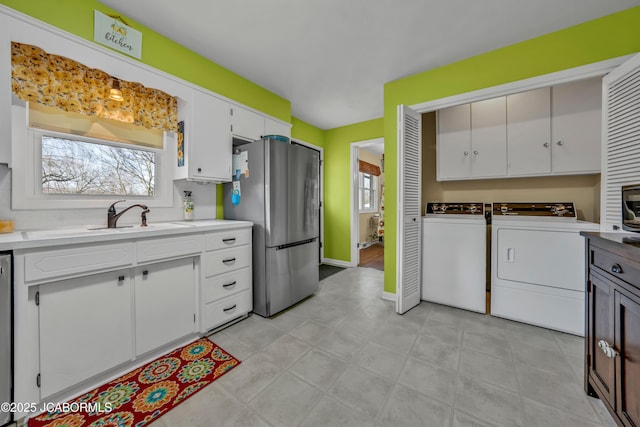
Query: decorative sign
(115, 34)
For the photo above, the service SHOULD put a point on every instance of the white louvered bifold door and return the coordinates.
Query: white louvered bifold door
(408, 251)
(621, 139)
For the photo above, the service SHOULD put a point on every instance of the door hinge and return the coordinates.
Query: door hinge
(231, 128)
(320, 244)
(357, 245)
(38, 298)
(320, 204)
(231, 111)
(194, 318)
(38, 380)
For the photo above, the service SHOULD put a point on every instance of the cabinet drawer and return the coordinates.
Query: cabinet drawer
(227, 239)
(218, 262)
(223, 311)
(223, 285)
(616, 266)
(152, 249)
(63, 262)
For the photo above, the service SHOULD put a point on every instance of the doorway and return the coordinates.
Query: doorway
(367, 212)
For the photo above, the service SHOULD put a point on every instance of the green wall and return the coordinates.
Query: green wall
(604, 38)
(337, 185)
(76, 17)
(306, 132)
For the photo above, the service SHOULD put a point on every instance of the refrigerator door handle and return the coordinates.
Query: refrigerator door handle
(291, 245)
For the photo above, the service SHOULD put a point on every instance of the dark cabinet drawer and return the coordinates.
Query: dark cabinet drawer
(615, 265)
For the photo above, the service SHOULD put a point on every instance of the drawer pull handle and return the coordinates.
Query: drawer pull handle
(229, 240)
(229, 261)
(607, 349)
(615, 268)
(230, 308)
(228, 285)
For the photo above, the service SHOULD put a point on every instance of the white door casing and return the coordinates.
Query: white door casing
(408, 249)
(620, 139)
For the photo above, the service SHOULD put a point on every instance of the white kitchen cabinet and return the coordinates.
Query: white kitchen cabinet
(454, 142)
(226, 292)
(529, 132)
(472, 140)
(165, 303)
(274, 127)
(5, 91)
(246, 124)
(489, 138)
(85, 328)
(576, 116)
(207, 140)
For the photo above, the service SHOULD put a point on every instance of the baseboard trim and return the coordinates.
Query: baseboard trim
(389, 296)
(337, 262)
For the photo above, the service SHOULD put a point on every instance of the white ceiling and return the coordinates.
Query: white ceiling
(331, 58)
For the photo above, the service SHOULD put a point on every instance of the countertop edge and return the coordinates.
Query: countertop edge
(17, 240)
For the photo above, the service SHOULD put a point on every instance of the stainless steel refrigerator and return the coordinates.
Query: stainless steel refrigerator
(280, 194)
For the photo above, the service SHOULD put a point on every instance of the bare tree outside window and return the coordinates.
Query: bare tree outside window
(80, 167)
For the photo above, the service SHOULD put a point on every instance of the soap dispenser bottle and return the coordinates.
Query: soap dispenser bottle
(188, 206)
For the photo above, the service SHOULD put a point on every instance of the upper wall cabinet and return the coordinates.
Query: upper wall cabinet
(246, 124)
(547, 131)
(250, 126)
(472, 140)
(454, 142)
(576, 126)
(207, 140)
(528, 132)
(274, 127)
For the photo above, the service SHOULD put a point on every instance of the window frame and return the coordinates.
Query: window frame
(26, 171)
(373, 192)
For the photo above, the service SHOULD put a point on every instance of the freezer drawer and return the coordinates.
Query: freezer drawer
(292, 275)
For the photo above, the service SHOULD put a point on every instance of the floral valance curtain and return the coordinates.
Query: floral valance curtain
(368, 168)
(59, 82)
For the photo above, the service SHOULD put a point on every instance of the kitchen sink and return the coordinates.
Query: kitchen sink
(92, 231)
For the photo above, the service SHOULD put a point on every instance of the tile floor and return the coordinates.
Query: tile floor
(345, 358)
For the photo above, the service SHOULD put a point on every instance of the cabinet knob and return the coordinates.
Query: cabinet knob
(121, 278)
(546, 145)
(475, 152)
(199, 170)
(145, 273)
(607, 349)
(560, 143)
(615, 268)
(466, 153)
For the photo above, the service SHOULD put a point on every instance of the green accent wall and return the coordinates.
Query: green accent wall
(307, 133)
(337, 185)
(76, 17)
(604, 38)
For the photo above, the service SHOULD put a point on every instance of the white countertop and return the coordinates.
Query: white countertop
(26, 239)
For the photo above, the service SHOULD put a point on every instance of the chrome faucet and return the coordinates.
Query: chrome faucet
(112, 217)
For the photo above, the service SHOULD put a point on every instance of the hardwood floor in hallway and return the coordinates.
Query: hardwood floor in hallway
(372, 257)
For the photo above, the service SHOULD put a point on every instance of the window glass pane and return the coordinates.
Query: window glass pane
(366, 204)
(79, 167)
(366, 178)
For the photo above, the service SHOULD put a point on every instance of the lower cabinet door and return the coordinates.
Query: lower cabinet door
(601, 330)
(164, 303)
(628, 367)
(85, 328)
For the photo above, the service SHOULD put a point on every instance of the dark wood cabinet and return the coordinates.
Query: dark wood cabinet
(612, 339)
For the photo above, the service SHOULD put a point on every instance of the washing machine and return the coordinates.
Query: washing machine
(454, 255)
(538, 265)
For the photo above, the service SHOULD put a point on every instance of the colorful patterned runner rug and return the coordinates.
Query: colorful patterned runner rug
(142, 395)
